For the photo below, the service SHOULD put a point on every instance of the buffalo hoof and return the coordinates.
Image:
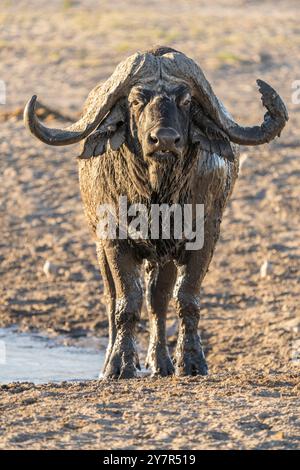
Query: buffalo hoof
(190, 359)
(122, 362)
(159, 361)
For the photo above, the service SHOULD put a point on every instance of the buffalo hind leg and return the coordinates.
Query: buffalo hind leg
(125, 269)
(161, 281)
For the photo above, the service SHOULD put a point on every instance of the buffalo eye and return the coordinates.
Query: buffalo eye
(185, 101)
(140, 99)
(136, 103)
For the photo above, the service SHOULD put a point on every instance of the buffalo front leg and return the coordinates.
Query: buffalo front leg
(189, 355)
(161, 281)
(125, 270)
(110, 300)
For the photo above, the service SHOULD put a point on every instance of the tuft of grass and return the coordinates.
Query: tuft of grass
(54, 56)
(68, 4)
(123, 47)
(229, 58)
(4, 44)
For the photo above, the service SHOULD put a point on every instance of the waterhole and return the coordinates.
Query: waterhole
(29, 357)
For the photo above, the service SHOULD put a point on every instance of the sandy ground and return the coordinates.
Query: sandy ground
(224, 411)
(250, 325)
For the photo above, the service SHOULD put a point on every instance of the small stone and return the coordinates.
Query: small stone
(265, 269)
(50, 269)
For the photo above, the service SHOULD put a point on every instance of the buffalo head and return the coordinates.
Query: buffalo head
(160, 102)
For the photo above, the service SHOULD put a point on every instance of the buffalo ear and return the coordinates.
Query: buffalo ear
(205, 132)
(110, 134)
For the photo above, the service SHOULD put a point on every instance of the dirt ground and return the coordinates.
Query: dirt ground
(250, 324)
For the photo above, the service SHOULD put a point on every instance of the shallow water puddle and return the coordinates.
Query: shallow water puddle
(28, 357)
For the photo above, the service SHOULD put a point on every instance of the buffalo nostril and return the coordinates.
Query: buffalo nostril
(165, 138)
(153, 139)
